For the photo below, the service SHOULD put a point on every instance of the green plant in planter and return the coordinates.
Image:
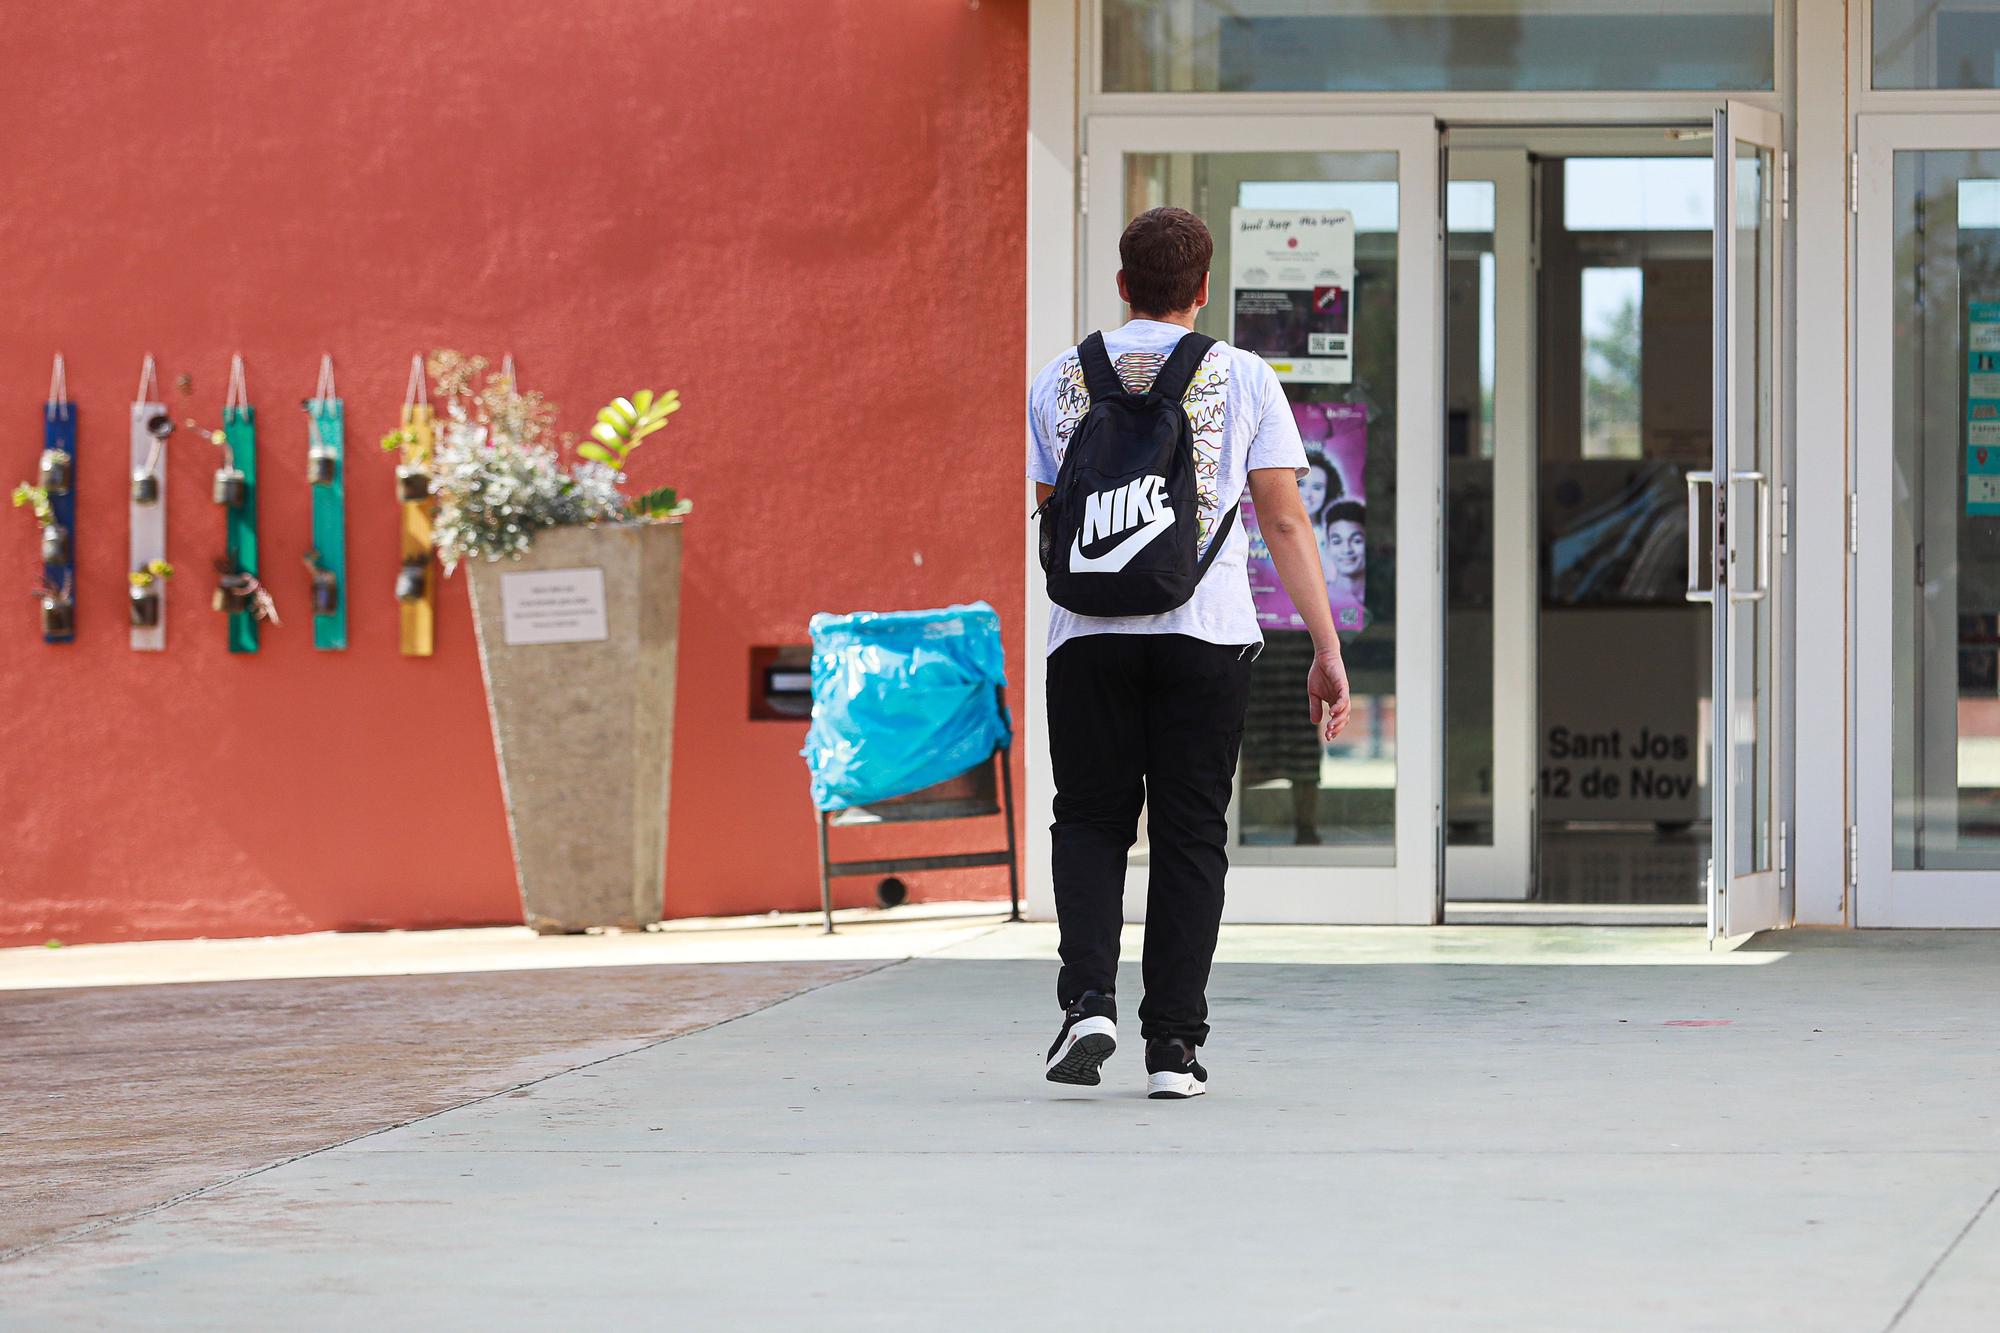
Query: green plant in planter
(156, 571)
(623, 423)
(37, 499)
(622, 426)
(498, 476)
(413, 470)
(55, 538)
(144, 596)
(230, 488)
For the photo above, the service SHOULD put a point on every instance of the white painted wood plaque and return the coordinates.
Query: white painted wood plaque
(553, 606)
(149, 520)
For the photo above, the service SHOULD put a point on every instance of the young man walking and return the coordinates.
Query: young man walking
(1146, 710)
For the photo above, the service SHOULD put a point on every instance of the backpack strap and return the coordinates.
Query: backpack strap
(1175, 376)
(1098, 375)
(1215, 540)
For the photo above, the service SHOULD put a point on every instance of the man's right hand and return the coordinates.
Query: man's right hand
(1326, 686)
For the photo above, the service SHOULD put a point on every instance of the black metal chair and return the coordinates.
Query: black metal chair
(973, 794)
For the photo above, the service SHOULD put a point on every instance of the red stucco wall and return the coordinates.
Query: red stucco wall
(806, 215)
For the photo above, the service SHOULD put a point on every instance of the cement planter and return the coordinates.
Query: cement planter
(584, 730)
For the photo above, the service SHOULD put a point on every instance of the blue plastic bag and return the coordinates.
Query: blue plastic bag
(902, 700)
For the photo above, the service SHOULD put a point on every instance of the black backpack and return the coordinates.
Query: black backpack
(1121, 531)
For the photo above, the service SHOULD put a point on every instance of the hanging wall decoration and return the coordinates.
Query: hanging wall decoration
(150, 428)
(52, 499)
(326, 474)
(238, 592)
(146, 595)
(416, 576)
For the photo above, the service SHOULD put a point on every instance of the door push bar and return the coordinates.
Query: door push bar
(1695, 592)
(1762, 586)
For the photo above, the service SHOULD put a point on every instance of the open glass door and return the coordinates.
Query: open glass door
(1747, 502)
(1327, 262)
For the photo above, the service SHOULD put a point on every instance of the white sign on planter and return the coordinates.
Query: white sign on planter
(553, 606)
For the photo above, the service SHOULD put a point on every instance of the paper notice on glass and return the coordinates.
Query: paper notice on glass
(553, 606)
(1335, 492)
(1291, 291)
(1982, 409)
(1983, 333)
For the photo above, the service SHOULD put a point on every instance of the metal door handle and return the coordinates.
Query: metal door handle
(1695, 592)
(1762, 585)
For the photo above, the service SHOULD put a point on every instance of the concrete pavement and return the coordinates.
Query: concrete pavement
(1495, 1129)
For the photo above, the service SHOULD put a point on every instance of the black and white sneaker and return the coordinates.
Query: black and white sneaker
(1089, 1035)
(1171, 1070)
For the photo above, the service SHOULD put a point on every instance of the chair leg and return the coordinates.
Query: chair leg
(825, 884)
(1007, 811)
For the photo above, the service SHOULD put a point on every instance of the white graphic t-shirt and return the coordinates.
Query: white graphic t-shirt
(1240, 420)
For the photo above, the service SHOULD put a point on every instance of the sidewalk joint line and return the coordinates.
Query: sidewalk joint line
(1931, 1272)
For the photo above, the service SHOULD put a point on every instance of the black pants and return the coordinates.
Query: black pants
(1152, 720)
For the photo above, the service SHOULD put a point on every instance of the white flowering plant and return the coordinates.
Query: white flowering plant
(498, 472)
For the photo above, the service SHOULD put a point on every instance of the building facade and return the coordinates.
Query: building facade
(1650, 364)
(769, 213)
(1653, 352)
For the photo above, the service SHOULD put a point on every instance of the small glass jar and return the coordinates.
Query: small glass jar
(412, 581)
(321, 465)
(54, 473)
(325, 592)
(58, 617)
(230, 488)
(232, 595)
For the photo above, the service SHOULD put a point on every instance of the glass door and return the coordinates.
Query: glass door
(1327, 263)
(1747, 499)
(1927, 539)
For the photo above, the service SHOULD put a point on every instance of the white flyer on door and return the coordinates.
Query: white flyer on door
(1291, 290)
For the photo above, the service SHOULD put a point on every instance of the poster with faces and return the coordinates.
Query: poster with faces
(1336, 498)
(1291, 291)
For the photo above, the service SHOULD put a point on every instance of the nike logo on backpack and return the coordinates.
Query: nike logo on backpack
(1140, 504)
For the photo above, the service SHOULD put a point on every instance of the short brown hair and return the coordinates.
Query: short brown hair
(1165, 253)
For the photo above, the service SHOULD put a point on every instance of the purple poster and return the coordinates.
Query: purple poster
(1336, 496)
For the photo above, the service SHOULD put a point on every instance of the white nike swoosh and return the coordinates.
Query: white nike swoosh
(1120, 555)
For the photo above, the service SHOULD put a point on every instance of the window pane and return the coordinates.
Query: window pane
(1430, 45)
(1294, 791)
(1752, 448)
(1468, 478)
(1612, 302)
(1946, 548)
(1937, 44)
(1468, 207)
(1638, 194)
